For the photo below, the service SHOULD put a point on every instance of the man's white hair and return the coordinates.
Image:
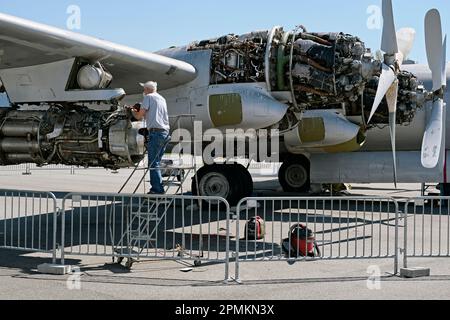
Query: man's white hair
(150, 84)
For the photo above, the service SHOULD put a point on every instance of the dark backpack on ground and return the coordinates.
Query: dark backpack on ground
(255, 229)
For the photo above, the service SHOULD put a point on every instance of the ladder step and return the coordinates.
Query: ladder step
(146, 207)
(181, 167)
(148, 218)
(141, 237)
(147, 201)
(172, 184)
(125, 252)
(145, 214)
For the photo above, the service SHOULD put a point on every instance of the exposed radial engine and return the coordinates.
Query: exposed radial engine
(317, 70)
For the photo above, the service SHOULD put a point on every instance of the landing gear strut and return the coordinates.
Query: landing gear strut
(294, 175)
(232, 182)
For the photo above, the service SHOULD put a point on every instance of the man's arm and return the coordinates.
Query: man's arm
(139, 110)
(139, 114)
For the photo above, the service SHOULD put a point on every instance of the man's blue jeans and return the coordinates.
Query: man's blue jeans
(156, 148)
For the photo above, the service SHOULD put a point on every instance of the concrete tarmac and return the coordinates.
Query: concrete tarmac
(99, 278)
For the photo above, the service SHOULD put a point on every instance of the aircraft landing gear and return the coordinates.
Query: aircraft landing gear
(232, 182)
(294, 175)
(445, 189)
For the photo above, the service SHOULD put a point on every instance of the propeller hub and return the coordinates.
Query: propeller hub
(390, 59)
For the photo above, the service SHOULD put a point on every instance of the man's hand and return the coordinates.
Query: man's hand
(135, 108)
(137, 111)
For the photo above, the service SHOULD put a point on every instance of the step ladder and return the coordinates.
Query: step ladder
(427, 189)
(144, 218)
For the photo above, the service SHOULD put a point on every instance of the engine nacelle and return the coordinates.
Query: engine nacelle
(324, 132)
(77, 136)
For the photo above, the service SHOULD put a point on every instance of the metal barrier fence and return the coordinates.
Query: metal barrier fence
(263, 168)
(344, 228)
(28, 221)
(427, 228)
(136, 227)
(27, 169)
(21, 168)
(201, 229)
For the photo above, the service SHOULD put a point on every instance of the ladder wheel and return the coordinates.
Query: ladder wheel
(129, 264)
(197, 263)
(181, 176)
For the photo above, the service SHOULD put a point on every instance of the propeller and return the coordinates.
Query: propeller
(393, 59)
(405, 39)
(436, 54)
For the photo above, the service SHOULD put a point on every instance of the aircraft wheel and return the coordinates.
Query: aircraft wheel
(294, 175)
(218, 181)
(445, 189)
(245, 177)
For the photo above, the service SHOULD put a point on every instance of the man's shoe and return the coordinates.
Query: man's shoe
(155, 193)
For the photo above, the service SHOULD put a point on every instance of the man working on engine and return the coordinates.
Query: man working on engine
(154, 111)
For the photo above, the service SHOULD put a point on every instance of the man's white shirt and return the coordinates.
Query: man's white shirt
(157, 116)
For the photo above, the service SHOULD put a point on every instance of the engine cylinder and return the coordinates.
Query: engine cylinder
(19, 158)
(20, 129)
(18, 145)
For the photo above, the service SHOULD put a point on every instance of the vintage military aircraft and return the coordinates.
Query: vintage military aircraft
(324, 93)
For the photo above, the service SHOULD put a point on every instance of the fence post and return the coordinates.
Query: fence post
(405, 240)
(27, 170)
(238, 236)
(397, 248)
(63, 229)
(227, 245)
(55, 227)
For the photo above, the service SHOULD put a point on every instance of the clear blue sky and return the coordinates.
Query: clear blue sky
(154, 24)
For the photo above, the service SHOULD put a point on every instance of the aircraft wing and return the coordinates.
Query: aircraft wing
(26, 43)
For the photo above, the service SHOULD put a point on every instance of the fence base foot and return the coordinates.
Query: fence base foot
(231, 279)
(55, 269)
(415, 272)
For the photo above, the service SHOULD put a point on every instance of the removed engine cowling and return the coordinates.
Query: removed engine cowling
(70, 136)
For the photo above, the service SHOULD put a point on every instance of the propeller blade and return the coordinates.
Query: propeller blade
(387, 78)
(389, 40)
(444, 63)
(433, 38)
(405, 40)
(434, 135)
(393, 130)
(391, 97)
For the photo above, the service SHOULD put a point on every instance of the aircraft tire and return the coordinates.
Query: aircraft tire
(445, 190)
(245, 178)
(219, 181)
(294, 174)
